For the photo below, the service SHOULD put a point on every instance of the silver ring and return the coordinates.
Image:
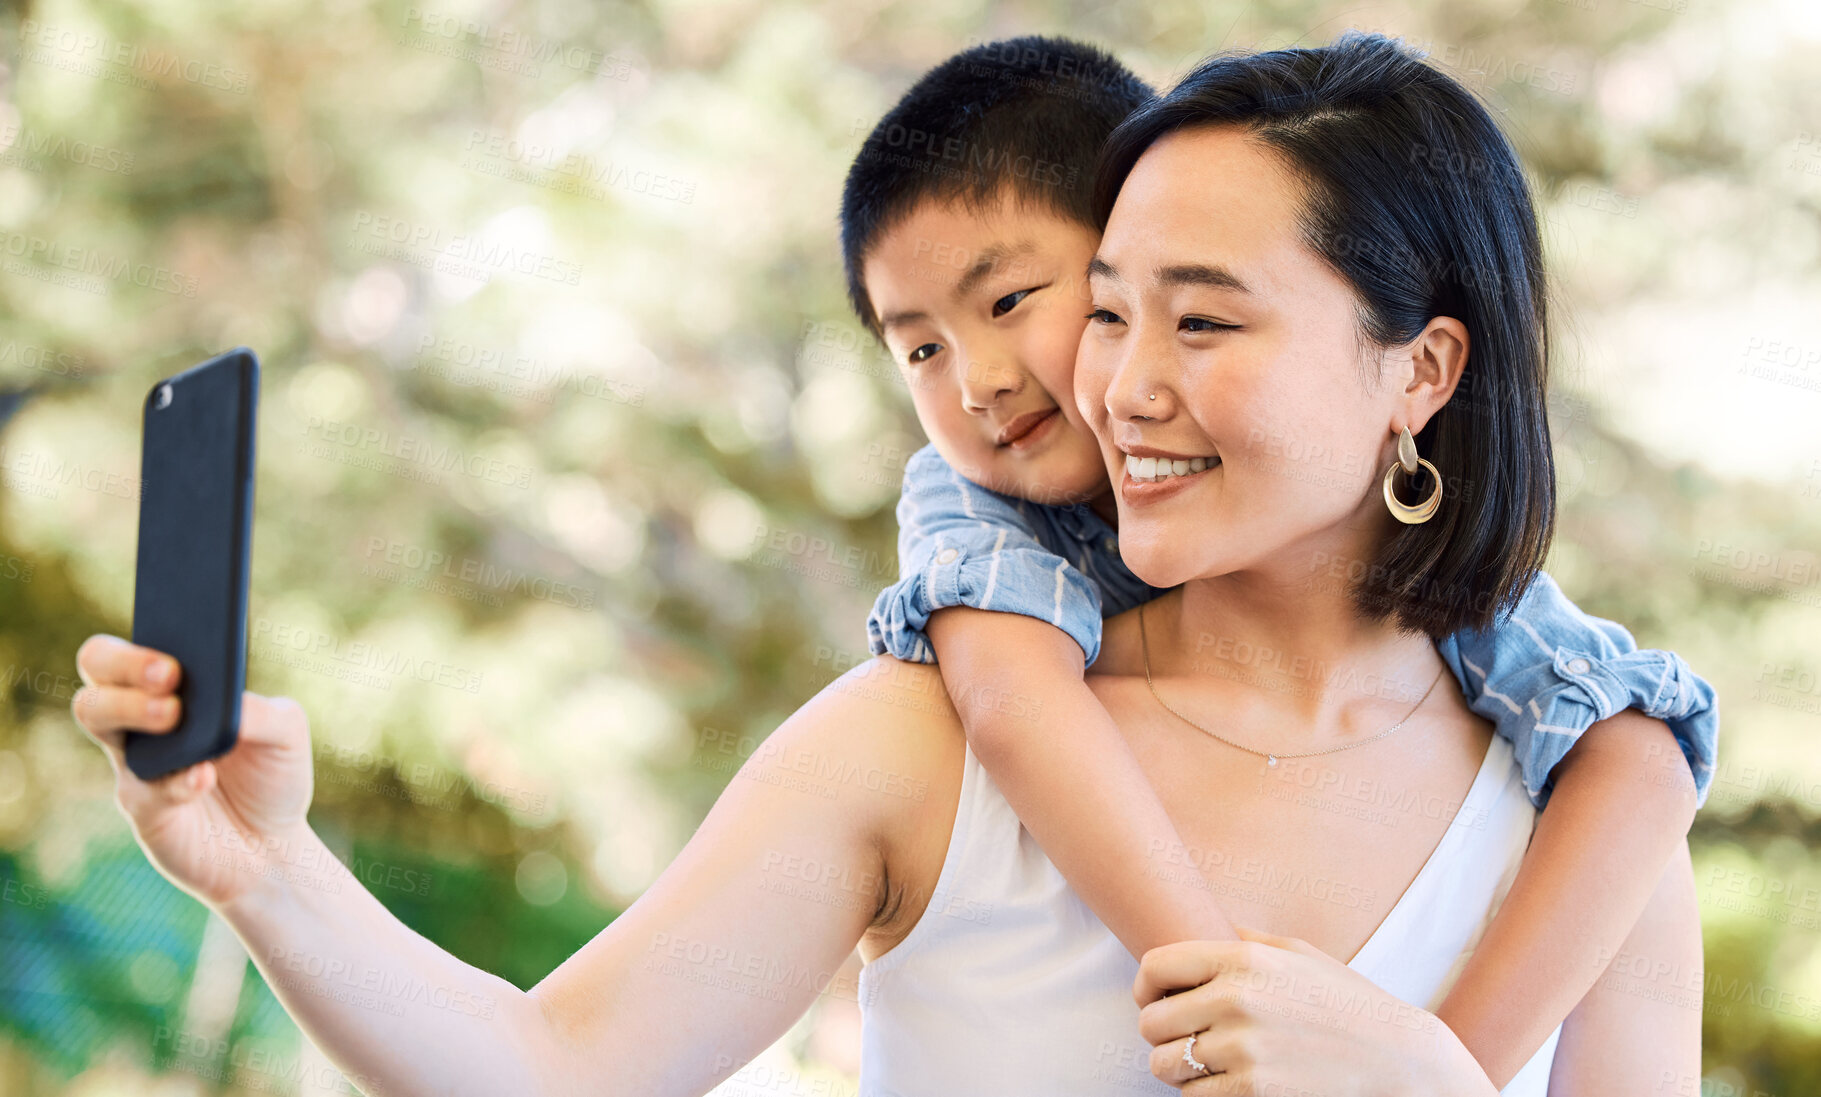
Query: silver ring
(1188, 1055)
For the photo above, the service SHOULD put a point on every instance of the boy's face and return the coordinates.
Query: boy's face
(983, 312)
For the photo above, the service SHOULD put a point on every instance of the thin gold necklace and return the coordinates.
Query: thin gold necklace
(1144, 638)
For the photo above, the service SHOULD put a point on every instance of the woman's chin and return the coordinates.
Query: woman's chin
(1157, 565)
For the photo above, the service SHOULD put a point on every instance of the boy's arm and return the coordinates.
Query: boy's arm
(1620, 742)
(1597, 856)
(1064, 767)
(960, 544)
(1016, 625)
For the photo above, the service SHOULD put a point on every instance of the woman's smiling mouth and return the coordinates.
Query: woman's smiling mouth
(1152, 469)
(1158, 475)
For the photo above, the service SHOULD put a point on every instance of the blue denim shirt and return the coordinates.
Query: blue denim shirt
(1544, 673)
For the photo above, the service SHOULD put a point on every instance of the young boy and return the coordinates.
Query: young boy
(966, 232)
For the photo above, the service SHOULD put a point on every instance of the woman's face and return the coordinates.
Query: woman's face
(1205, 294)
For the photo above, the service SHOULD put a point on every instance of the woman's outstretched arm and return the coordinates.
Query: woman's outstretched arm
(715, 961)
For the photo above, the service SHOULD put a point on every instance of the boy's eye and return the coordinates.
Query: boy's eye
(1010, 301)
(1200, 324)
(1102, 316)
(923, 353)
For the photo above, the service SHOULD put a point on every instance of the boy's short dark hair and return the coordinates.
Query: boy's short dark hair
(1028, 114)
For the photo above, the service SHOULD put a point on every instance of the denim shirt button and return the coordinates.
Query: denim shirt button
(1579, 666)
(1110, 545)
(947, 556)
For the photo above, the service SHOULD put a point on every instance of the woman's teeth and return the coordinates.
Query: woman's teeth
(1154, 468)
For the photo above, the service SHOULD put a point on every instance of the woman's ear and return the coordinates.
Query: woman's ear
(1438, 357)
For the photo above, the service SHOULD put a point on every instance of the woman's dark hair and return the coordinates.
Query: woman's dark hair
(1416, 198)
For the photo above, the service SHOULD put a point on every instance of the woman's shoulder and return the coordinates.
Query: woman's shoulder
(885, 738)
(884, 714)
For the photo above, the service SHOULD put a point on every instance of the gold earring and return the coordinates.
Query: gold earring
(1408, 460)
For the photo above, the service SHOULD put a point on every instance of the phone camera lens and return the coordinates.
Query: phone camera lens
(163, 399)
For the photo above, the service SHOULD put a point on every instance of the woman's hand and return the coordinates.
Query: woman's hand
(218, 827)
(1278, 1015)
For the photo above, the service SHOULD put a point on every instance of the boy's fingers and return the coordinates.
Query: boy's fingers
(105, 660)
(109, 710)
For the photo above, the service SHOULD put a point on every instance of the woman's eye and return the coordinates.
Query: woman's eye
(923, 353)
(1010, 301)
(1102, 316)
(1200, 324)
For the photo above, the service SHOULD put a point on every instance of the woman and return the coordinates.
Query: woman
(1223, 328)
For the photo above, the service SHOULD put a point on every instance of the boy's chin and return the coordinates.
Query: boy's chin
(1050, 479)
(1063, 485)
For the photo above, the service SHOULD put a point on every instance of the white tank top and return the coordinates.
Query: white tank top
(1009, 985)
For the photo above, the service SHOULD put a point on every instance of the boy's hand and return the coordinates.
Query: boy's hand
(219, 827)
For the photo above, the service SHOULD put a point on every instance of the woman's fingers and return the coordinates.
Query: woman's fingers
(126, 687)
(273, 722)
(1194, 1010)
(105, 660)
(109, 710)
(187, 784)
(1289, 944)
(1179, 965)
(1224, 1056)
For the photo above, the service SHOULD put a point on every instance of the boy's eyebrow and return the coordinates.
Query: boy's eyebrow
(990, 258)
(899, 319)
(1212, 275)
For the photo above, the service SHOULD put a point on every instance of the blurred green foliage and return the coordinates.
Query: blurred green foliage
(590, 248)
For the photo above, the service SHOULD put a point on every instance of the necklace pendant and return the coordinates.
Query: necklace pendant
(1270, 759)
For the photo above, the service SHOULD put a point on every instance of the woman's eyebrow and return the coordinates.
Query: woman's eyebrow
(1212, 275)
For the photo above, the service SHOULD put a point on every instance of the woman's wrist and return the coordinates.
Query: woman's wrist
(271, 869)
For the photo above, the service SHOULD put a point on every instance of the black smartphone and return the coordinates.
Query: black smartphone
(195, 545)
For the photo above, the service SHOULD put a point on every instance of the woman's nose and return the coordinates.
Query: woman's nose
(1135, 393)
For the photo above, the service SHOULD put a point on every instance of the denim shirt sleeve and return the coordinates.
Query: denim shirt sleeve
(960, 544)
(1546, 671)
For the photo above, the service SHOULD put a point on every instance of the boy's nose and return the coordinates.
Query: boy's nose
(985, 382)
